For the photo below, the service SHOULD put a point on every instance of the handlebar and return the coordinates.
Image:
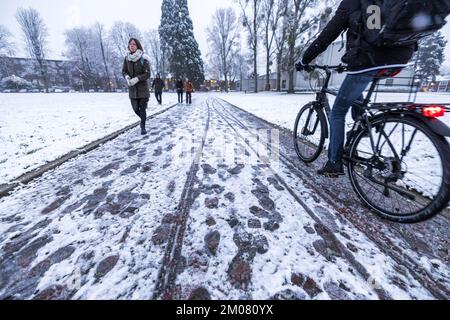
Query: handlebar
(339, 68)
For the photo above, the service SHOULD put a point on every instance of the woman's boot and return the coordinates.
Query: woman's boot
(143, 130)
(143, 119)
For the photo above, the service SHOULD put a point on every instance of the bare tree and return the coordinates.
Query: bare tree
(240, 68)
(100, 35)
(118, 38)
(222, 35)
(272, 13)
(35, 35)
(120, 34)
(281, 38)
(251, 11)
(299, 24)
(213, 67)
(77, 49)
(154, 50)
(5, 50)
(5, 44)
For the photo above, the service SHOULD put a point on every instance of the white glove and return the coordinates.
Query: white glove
(133, 82)
(128, 78)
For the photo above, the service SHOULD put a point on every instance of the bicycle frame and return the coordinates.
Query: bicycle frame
(323, 101)
(364, 120)
(380, 162)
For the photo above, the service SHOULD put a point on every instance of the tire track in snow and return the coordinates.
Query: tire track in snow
(382, 293)
(169, 267)
(386, 245)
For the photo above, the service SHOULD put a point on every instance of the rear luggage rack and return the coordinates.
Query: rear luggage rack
(420, 107)
(404, 87)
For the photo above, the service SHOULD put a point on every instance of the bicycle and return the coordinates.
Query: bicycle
(385, 151)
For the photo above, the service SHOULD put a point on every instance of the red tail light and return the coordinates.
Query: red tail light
(433, 111)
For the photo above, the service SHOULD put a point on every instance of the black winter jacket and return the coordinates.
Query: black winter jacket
(158, 85)
(141, 70)
(179, 85)
(359, 55)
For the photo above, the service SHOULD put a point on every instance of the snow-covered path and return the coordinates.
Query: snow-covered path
(205, 207)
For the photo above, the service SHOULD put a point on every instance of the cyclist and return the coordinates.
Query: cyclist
(364, 62)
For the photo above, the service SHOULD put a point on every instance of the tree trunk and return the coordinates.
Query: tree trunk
(279, 72)
(291, 80)
(267, 60)
(255, 68)
(109, 86)
(116, 79)
(226, 83)
(255, 48)
(225, 70)
(268, 71)
(291, 63)
(242, 77)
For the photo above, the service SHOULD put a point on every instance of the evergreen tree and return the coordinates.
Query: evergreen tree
(185, 58)
(430, 56)
(166, 33)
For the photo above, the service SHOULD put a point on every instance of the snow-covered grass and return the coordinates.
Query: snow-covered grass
(37, 128)
(282, 109)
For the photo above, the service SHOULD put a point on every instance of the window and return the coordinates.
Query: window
(389, 82)
(283, 84)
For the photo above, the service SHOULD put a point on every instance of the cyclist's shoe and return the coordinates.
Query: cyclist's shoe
(332, 169)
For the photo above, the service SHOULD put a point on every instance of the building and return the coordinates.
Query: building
(60, 74)
(249, 84)
(442, 84)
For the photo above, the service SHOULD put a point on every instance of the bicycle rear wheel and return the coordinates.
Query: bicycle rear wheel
(408, 179)
(310, 133)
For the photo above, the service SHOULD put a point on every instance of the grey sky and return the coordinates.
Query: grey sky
(61, 15)
(145, 14)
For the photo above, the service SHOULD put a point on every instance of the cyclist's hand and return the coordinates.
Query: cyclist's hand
(303, 67)
(342, 68)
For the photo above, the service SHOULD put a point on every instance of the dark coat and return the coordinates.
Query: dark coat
(158, 85)
(141, 70)
(179, 85)
(360, 55)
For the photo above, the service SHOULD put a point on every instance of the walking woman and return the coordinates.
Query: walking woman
(180, 88)
(188, 88)
(158, 85)
(136, 70)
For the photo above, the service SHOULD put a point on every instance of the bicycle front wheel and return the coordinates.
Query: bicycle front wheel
(407, 177)
(310, 133)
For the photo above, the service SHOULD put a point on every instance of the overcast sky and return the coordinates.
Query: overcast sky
(145, 14)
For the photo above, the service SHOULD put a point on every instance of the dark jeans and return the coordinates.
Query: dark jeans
(180, 96)
(140, 108)
(350, 91)
(189, 97)
(158, 96)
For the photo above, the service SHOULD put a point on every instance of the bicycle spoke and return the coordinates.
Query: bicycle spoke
(308, 134)
(406, 150)
(389, 176)
(387, 137)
